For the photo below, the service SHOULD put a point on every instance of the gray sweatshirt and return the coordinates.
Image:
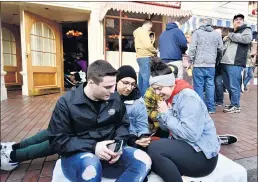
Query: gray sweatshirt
(204, 47)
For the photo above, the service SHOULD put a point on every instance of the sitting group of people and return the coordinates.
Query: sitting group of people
(168, 131)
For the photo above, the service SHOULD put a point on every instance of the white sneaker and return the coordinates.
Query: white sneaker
(7, 146)
(6, 163)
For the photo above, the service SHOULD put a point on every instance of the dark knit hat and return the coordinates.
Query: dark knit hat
(126, 71)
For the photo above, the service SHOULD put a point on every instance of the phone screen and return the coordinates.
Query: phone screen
(116, 147)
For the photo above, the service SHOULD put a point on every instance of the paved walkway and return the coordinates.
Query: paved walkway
(23, 116)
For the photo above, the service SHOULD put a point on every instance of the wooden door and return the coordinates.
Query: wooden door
(11, 55)
(43, 39)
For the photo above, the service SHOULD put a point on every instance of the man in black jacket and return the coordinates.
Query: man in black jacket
(87, 119)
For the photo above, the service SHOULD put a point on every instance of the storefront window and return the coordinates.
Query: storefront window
(112, 34)
(43, 45)
(129, 23)
(128, 28)
(9, 48)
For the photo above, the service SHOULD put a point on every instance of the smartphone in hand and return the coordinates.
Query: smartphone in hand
(148, 135)
(116, 147)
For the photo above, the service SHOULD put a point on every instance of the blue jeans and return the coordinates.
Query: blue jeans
(248, 75)
(219, 89)
(85, 166)
(232, 79)
(203, 79)
(144, 74)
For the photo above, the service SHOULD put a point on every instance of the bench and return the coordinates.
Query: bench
(226, 171)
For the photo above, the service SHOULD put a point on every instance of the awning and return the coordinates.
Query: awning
(135, 7)
(194, 22)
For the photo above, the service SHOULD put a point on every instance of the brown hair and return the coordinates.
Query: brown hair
(99, 69)
(158, 67)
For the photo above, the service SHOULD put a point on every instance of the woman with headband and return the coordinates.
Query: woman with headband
(193, 146)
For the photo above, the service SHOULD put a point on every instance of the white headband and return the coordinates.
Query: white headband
(163, 80)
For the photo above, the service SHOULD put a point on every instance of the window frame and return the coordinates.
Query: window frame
(11, 43)
(43, 38)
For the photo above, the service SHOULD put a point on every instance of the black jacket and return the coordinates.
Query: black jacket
(75, 126)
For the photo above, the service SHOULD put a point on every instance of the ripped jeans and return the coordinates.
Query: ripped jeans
(83, 167)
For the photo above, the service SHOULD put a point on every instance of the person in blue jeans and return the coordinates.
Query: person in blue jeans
(204, 47)
(85, 121)
(144, 51)
(248, 75)
(237, 45)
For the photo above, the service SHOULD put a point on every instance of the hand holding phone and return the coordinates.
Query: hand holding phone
(116, 147)
(103, 152)
(144, 142)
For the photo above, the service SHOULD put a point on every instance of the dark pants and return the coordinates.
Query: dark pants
(34, 147)
(219, 89)
(232, 79)
(203, 79)
(172, 159)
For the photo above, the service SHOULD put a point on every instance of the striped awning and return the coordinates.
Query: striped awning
(194, 22)
(147, 8)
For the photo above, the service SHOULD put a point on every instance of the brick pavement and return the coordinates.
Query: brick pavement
(23, 116)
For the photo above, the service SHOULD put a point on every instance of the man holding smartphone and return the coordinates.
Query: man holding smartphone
(85, 121)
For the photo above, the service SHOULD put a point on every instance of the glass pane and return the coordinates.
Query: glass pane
(128, 28)
(51, 34)
(12, 37)
(46, 59)
(33, 58)
(7, 58)
(6, 47)
(135, 15)
(113, 12)
(38, 30)
(53, 59)
(54, 46)
(45, 30)
(112, 34)
(13, 59)
(39, 43)
(46, 44)
(33, 42)
(51, 45)
(38, 59)
(5, 34)
(13, 48)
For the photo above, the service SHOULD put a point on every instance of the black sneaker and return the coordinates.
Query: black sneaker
(232, 109)
(226, 106)
(227, 139)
